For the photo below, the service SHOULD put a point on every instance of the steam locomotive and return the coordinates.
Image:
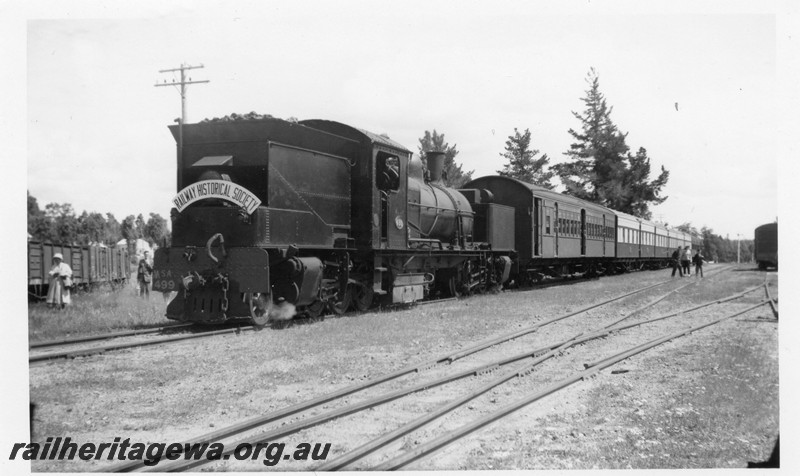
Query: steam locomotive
(274, 218)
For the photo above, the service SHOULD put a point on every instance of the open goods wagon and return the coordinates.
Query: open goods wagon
(92, 265)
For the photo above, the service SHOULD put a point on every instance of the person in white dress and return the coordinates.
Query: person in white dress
(60, 282)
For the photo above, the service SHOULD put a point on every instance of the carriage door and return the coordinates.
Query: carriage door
(604, 234)
(557, 226)
(640, 241)
(537, 226)
(583, 232)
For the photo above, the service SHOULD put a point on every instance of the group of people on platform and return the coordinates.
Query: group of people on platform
(682, 261)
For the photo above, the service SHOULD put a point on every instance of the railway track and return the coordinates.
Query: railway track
(591, 368)
(111, 335)
(772, 302)
(99, 349)
(541, 354)
(69, 353)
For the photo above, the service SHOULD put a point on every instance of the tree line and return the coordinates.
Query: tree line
(719, 249)
(59, 223)
(599, 168)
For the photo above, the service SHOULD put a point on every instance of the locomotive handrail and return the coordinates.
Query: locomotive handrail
(221, 245)
(435, 207)
(350, 162)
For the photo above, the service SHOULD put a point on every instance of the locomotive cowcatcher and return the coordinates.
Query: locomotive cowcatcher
(275, 217)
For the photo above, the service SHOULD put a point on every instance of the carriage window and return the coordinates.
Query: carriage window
(547, 224)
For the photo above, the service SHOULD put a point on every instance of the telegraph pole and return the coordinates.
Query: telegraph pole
(183, 83)
(738, 248)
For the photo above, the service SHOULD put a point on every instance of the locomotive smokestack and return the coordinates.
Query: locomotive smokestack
(435, 165)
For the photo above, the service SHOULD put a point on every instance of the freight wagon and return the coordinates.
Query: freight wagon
(92, 265)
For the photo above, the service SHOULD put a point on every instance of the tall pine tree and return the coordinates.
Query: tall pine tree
(521, 163)
(638, 192)
(454, 176)
(600, 168)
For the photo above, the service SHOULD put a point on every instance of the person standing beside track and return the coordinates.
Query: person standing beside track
(698, 264)
(144, 275)
(58, 294)
(676, 263)
(686, 261)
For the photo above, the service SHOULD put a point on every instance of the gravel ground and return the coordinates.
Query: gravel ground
(706, 400)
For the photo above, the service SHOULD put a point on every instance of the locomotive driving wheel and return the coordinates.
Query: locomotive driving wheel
(362, 297)
(260, 306)
(454, 285)
(314, 310)
(341, 306)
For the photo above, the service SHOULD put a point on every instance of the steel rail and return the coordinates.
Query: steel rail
(614, 329)
(448, 358)
(112, 335)
(295, 427)
(319, 419)
(505, 337)
(444, 440)
(143, 343)
(261, 420)
(540, 354)
(772, 302)
(362, 451)
(435, 301)
(513, 335)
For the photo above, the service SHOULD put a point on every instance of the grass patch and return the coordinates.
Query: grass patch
(93, 313)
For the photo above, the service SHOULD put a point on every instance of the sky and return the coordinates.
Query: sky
(709, 88)
(697, 90)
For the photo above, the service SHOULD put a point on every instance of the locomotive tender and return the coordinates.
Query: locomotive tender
(317, 214)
